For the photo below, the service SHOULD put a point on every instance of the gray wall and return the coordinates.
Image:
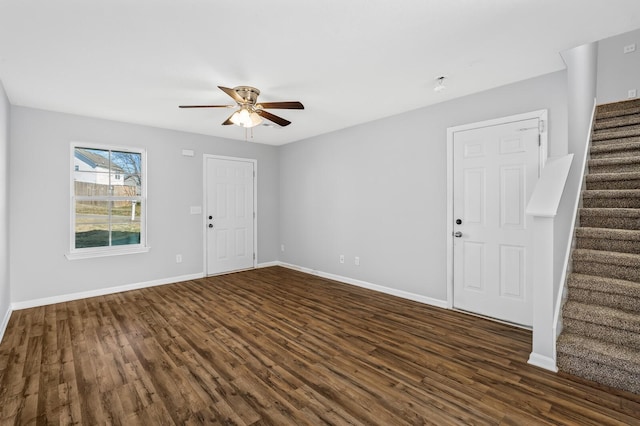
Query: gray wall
(5, 295)
(618, 72)
(40, 207)
(379, 190)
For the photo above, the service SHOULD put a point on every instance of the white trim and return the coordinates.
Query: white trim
(268, 264)
(364, 284)
(566, 265)
(89, 254)
(102, 291)
(541, 115)
(543, 362)
(5, 322)
(254, 161)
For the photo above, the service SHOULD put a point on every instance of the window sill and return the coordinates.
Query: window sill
(105, 253)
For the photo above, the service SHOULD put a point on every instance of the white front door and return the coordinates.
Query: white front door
(495, 169)
(229, 214)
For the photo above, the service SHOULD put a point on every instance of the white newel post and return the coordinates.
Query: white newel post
(543, 352)
(543, 208)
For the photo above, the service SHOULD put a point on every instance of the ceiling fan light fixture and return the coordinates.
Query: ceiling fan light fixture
(245, 118)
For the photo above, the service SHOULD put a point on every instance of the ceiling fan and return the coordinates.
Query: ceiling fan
(250, 113)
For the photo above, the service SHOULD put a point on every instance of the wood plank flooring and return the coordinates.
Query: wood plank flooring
(278, 347)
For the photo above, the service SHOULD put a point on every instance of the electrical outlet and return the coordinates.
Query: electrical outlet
(357, 261)
(629, 48)
(178, 258)
(632, 93)
(282, 248)
(342, 258)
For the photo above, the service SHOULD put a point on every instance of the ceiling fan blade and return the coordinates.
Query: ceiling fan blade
(281, 105)
(206, 106)
(271, 117)
(228, 121)
(232, 93)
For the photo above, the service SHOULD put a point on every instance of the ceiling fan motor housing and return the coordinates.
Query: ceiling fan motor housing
(248, 93)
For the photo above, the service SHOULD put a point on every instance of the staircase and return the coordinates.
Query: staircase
(601, 317)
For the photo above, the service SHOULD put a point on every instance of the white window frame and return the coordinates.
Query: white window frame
(92, 252)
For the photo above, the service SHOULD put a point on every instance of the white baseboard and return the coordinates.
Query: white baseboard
(5, 322)
(543, 361)
(268, 264)
(364, 284)
(101, 292)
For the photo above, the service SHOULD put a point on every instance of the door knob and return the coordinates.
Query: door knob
(457, 234)
(211, 225)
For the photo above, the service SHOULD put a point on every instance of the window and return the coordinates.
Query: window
(108, 201)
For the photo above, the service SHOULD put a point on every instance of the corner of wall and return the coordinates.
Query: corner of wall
(5, 288)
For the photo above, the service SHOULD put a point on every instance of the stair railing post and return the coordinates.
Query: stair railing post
(543, 353)
(543, 208)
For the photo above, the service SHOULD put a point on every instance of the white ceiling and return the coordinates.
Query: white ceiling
(347, 61)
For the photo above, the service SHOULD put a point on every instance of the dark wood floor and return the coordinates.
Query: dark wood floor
(275, 346)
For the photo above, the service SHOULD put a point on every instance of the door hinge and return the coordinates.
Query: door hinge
(254, 256)
(254, 174)
(254, 215)
(539, 140)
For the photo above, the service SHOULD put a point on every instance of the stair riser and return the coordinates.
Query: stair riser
(604, 203)
(616, 108)
(614, 122)
(611, 300)
(599, 135)
(610, 222)
(607, 270)
(635, 152)
(621, 246)
(614, 142)
(614, 168)
(597, 331)
(615, 184)
(596, 372)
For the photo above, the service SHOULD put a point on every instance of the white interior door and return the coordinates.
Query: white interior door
(229, 214)
(494, 172)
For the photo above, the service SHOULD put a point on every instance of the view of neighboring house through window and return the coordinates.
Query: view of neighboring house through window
(107, 198)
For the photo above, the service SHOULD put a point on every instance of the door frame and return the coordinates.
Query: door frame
(544, 136)
(206, 157)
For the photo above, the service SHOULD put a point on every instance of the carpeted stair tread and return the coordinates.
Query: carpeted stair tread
(612, 109)
(618, 121)
(602, 162)
(622, 266)
(602, 315)
(615, 150)
(610, 285)
(614, 141)
(614, 165)
(616, 133)
(623, 213)
(604, 177)
(610, 218)
(607, 257)
(603, 353)
(626, 180)
(611, 198)
(610, 376)
(601, 332)
(618, 240)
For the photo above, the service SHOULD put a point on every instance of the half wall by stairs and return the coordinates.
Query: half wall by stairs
(600, 340)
